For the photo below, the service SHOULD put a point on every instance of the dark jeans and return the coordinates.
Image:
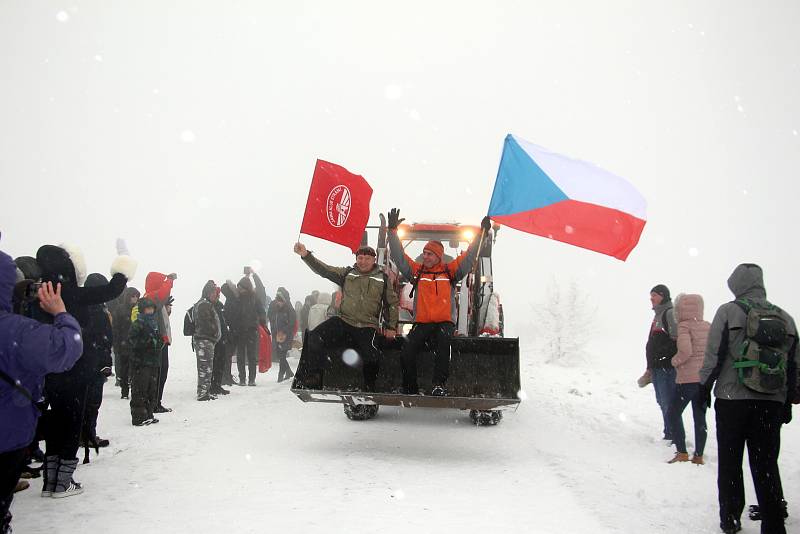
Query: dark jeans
(67, 397)
(164, 370)
(438, 336)
(11, 464)
(757, 424)
(247, 355)
(334, 332)
(684, 394)
(285, 370)
(664, 386)
(220, 357)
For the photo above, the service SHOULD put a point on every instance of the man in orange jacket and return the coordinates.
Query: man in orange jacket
(434, 285)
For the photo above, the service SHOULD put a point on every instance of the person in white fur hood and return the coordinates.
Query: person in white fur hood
(66, 392)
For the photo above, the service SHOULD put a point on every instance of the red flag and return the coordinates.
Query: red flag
(338, 205)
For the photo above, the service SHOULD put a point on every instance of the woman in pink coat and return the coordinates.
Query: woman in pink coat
(692, 338)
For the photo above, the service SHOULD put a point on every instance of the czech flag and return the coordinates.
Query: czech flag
(547, 194)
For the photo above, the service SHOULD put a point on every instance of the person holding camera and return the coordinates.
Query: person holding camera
(28, 351)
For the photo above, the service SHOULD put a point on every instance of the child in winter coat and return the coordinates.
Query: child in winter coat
(145, 361)
(692, 338)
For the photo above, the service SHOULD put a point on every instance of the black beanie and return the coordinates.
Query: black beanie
(662, 290)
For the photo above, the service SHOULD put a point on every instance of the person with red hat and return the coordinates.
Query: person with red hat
(434, 285)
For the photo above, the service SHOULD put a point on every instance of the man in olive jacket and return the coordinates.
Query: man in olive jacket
(743, 415)
(365, 290)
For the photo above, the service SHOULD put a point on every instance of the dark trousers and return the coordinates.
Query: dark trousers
(220, 357)
(685, 394)
(285, 370)
(94, 398)
(757, 424)
(247, 355)
(144, 392)
(437, 336)
(334, 332)
(67, 398)
(11, 464)
(122, 366)
(163, 371)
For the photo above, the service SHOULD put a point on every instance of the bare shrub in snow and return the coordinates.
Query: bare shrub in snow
(563, 323)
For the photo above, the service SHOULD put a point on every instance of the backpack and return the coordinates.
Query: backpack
(188, 322)
(764, 354)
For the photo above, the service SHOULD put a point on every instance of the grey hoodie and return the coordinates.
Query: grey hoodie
(728, 332)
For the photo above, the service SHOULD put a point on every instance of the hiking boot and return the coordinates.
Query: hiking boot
(219, 390)
(251, 383)
(697, 459)
(204, 398)
(731, 527)
(49, 473)
(21, 485)
(161, 409)
(65, 485)
(679, 457)
(141, 423)
(152, 420)
(439, 391)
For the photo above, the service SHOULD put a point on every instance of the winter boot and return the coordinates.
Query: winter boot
(65, 485)
(697, 459)
(679, 457)
(49, 470)
(731, 527)
(21, 486)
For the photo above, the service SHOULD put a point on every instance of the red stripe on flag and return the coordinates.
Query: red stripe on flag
(584, 225)
(337, 209)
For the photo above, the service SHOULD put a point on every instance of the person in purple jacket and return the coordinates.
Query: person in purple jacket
(28, 351)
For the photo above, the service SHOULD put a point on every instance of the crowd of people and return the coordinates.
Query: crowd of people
(63, 333)
(748, 356)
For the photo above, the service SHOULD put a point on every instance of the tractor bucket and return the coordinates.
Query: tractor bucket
(484, 375)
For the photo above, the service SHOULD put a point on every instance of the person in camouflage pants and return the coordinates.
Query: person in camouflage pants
(145, 361)
(207, 332)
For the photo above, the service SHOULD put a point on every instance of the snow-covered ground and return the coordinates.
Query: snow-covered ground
(581, 455)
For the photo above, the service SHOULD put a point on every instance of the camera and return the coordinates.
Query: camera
(32, 291)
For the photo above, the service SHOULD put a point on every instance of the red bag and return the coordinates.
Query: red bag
(264, 349)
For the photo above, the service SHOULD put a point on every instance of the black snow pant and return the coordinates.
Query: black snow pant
(247, 355)
(144, 392)
(163, 371)
(67, 397)
(758, 424)
(437, 336)
(335, 332)
(94, 398)
(11, 464)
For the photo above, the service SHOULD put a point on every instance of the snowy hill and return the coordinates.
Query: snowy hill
(580, 455)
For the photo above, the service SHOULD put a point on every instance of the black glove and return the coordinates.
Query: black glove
(486, 224)
(705, 392)
(394, 219)
(787, 413)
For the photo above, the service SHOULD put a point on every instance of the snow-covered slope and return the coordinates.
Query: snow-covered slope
(580, 455)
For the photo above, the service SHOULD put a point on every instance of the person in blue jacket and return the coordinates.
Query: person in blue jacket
(29, 350)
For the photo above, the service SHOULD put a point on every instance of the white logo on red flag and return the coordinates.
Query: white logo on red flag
(338, 206)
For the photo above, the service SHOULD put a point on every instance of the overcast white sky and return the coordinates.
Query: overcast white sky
(191, 129)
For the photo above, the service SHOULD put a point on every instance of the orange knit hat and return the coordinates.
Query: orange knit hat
(435, 247)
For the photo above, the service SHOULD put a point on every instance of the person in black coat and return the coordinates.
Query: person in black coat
(66, 392)
(97, 341)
